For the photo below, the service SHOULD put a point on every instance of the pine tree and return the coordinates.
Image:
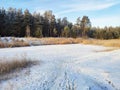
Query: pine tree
(66, 32)
(27, 31)
(38, 32)
(85, 25)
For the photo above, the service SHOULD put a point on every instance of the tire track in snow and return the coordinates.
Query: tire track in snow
(67, 80)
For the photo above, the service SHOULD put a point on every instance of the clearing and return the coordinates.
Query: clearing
(65, 67)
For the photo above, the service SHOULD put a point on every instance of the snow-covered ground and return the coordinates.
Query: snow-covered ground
(65, 67)
(14, 39)
(10, 39)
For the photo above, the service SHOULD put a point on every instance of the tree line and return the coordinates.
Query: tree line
(19, 23)
(105, 33)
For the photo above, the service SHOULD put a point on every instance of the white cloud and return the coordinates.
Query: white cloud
(106, 21)
(87, 6)
(40, 11)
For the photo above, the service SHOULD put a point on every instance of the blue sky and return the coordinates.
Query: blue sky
(101, 12)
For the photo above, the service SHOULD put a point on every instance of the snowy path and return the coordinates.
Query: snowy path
(66, 67)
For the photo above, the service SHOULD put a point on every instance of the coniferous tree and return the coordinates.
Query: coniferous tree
(13, 22)
(85, 25)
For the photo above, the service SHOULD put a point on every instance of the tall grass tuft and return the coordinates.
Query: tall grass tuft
(7, 66)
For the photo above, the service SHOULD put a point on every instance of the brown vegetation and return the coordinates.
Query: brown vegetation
(108, 43)
(7, 66)
(106, 50)
(14, 43)
(52, 41)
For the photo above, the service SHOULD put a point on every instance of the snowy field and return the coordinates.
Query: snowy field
(65, 67)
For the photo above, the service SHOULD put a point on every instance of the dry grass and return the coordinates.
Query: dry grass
(108, 43)
(52, 41)
(7, 66)
(106, 50)
(13, 44)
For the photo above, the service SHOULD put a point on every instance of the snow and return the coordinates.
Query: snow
(65, 67)
(10, 39)
(14, 39)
